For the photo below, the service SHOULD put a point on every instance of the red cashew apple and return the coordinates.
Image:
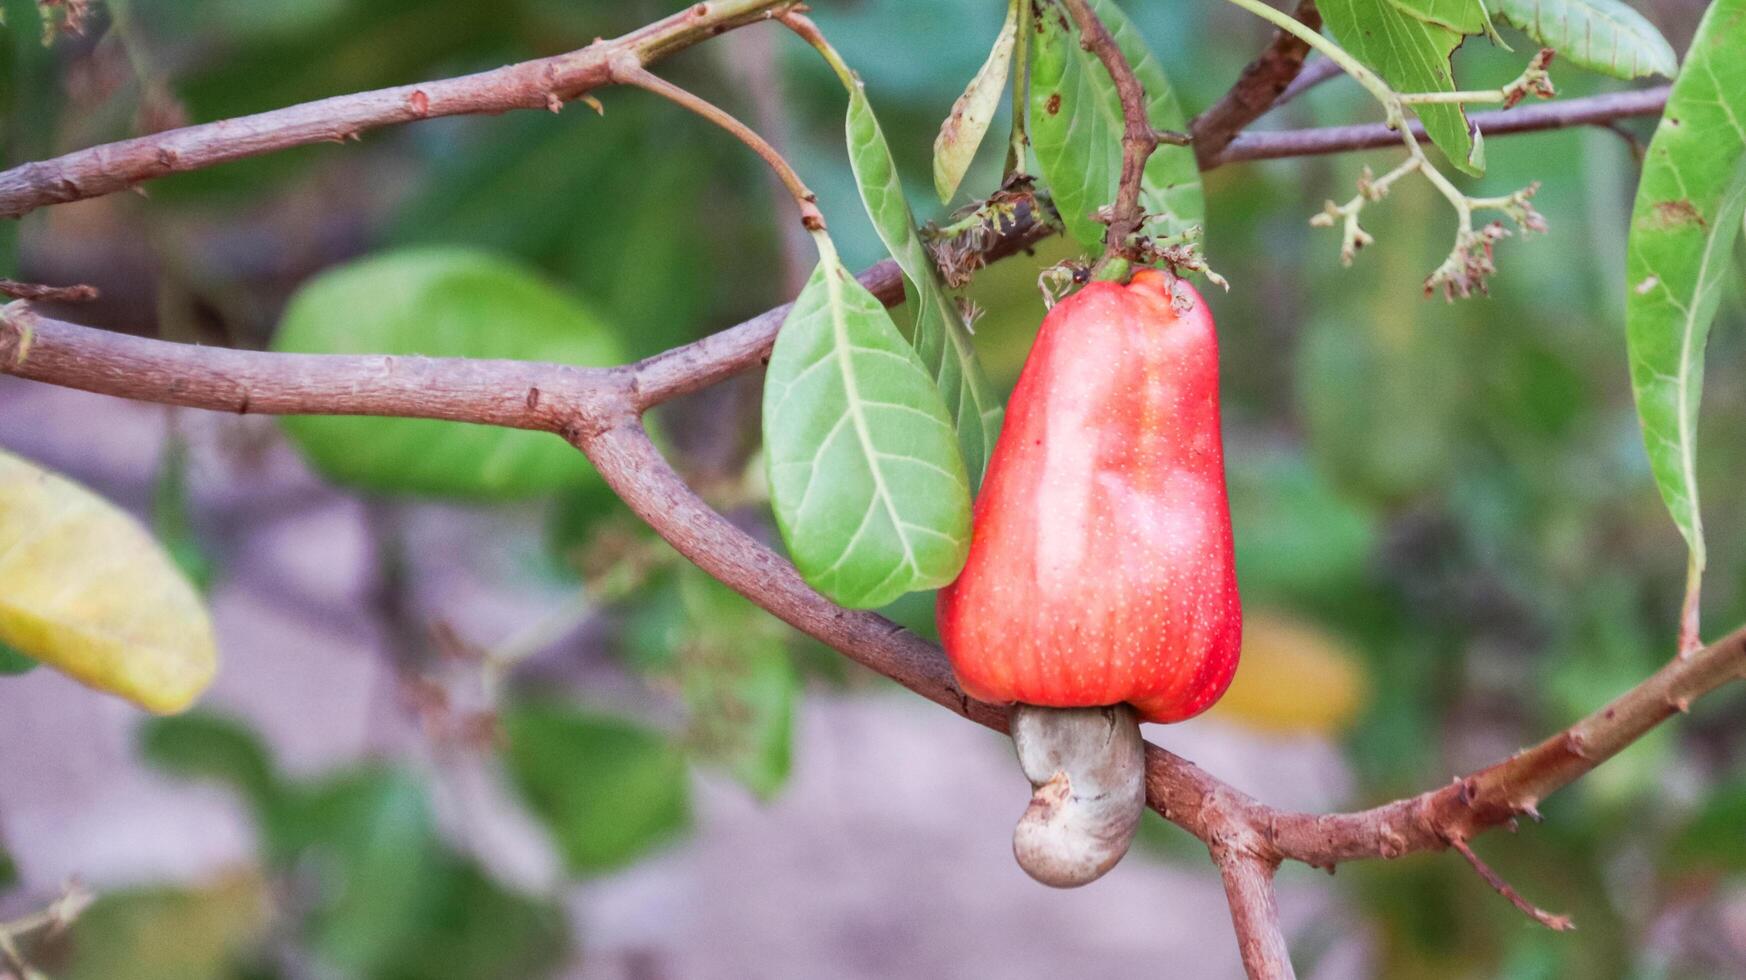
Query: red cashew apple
(1101, 575)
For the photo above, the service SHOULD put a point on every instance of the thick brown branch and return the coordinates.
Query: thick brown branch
(1260, 85)
(635, 469)
(1594, 110)
(541, 84)
(721, 355)
(515, 394)
(1255, 913)
(1497, 794)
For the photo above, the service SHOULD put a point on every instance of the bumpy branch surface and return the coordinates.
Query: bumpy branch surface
(1255, 914)
(542, 84)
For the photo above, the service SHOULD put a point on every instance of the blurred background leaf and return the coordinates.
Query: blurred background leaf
(607, 789)
(440, 302)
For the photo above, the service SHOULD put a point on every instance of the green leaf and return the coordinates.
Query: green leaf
(608, 789)
(1601, 35)
(441, 302)
(85, 589)
(866, 480)
(1412, 55)
(208, 746)
(1683, 228)
(968, 121)
(942, 337)
(1076, 129)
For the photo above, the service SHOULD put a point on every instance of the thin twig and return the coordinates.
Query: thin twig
(1557, 923)
(627, 70)
(47, 294)
(1261, 86)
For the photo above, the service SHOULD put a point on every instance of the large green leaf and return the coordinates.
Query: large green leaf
(1076, 129)
(866, 479)
(440, 302)
(1412, 54)
(1683, 229)
(968, 121)
(85, 589)
(942, 337)
(606, 788)
(1600, 35)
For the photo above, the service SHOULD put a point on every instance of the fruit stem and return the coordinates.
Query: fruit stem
(1088, 769)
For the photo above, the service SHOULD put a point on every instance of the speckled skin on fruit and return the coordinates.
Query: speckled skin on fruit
(1101, 567)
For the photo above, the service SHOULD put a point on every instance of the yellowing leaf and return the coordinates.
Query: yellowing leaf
(1293, 677)
(964, 128)
(85, 590)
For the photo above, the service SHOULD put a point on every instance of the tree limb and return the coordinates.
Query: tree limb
(1594, 110)
(545, 83)
(1254, 913)
(596, 408)
(1260, 86)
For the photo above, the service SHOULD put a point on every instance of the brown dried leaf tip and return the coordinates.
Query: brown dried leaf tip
(1470, 264)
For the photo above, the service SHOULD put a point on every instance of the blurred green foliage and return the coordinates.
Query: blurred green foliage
(608, 788)
(1458, 490)
(359, 873)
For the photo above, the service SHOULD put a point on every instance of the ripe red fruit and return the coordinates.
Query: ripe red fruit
(1100, 568)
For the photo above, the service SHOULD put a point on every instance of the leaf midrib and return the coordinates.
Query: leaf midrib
(852, 395)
